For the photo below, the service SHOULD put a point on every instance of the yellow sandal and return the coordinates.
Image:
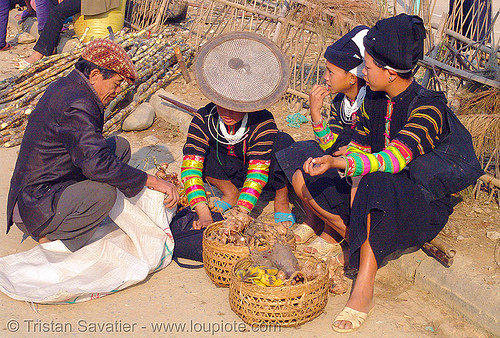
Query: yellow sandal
(356, 318)
(321, 249)
(303, 232)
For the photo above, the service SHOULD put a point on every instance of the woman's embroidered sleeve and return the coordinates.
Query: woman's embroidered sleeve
(257, 177)
(392, 159)
(191, 177)
(418, 136)
(323, 134)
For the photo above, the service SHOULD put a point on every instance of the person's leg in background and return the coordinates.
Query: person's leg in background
(49, 37)
(43, 8)
(4, 19)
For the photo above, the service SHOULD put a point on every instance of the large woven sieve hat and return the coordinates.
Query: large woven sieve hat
(242, 71)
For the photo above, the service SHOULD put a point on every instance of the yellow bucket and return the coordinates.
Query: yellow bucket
(98, 24)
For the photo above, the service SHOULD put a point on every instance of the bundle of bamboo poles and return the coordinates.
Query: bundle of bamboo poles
(153, 57)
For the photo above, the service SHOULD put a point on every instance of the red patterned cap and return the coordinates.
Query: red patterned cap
(108, 54)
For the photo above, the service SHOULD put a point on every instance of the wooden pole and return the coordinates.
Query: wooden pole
(466, 40)
(440, 256)
(486, 178)
(430, 63)
(435, 48)
(182, 64)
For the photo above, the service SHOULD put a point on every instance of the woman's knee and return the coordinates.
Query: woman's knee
(298, 183)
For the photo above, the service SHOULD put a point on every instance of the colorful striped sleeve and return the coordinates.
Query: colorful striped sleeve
(323, 134)
(392, 159)
(257, 177)
(191, 177)
(419, 135)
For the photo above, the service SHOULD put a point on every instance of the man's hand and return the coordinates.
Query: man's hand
(204, 216)
(169, 189)
(316, 97)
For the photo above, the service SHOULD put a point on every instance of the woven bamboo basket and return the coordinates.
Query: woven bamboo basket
(291, 305)
(218, 258)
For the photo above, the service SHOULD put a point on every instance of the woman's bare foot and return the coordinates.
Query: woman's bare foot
(43, 240)
(34, 57)
(282, 205)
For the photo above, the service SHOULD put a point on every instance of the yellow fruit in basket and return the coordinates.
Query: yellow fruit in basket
(270, 280)
(258, 282)
(241, 273)
(257, 271)
(272, 271)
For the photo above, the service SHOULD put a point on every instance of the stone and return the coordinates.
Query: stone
(493, 235)
(169, 112)
(141, 118)
(176, 11)
(151, 140)
(25, 38)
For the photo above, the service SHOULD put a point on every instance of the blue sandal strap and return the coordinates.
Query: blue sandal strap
(284, 217)
(223, 205)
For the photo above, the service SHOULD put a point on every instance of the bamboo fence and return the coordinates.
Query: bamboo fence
(301, 28)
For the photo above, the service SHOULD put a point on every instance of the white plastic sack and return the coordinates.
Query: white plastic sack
(116, 258)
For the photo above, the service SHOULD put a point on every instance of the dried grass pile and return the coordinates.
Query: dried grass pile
(480, 113)
(337, 17)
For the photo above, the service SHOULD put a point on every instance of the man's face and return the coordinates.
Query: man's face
(106, 89)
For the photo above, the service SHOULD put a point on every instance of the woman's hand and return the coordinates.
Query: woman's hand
(204, 216)
(169, 189)
(341, 151)
(319, 165)
(316, 97)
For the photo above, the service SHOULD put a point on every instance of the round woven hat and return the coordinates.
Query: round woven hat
(242, 71)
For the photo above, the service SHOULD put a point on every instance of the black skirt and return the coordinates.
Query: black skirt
(330, 191)
(400, 216)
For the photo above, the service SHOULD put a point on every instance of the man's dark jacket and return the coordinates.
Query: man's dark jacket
(62, 145)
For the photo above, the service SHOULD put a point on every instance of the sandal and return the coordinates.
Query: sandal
(23, 16)
(7, 47)
(280, 217)
(21, 64)
(302, 233)
(223, 206)
(321, 249)
(357, 318)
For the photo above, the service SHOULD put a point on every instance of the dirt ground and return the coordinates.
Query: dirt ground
(179, 296)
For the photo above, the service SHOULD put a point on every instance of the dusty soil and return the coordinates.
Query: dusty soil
(177, 295)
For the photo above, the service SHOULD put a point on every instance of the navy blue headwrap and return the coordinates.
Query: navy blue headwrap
(397, 42)
(347, 52)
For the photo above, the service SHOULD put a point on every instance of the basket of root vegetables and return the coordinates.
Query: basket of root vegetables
(225, 242)
(272, 286)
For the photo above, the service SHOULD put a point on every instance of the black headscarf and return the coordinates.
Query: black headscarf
(397, 42)
(347, 52)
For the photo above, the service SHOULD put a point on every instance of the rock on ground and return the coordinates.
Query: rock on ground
(141, 118)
